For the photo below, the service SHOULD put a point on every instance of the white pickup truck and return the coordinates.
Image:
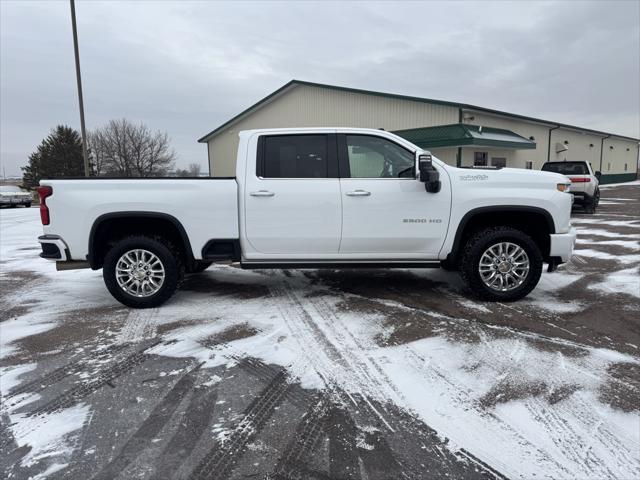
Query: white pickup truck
(313, 198)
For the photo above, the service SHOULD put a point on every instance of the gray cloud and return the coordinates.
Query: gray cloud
(187, 67)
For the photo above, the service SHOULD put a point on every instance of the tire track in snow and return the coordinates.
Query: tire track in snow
(307, 436)
(139, 325)
(60, 373)
(326, 346)
(74, 395)
(556, 421)
(150, 427)
(219, 462)
(336, 365)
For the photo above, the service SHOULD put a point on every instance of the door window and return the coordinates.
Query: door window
(294, 156)
(376, 157)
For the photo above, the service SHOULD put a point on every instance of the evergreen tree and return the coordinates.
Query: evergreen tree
(59, 155)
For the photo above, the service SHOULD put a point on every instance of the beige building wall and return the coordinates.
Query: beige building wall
(447, 155)
(624, 153)
(581, 146)
(517, 158)
(307, 106)
(310, 106)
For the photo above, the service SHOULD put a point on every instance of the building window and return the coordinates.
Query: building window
(499, 162)
(480, 159)
(625, 167)
(609, 167)
(528, 165)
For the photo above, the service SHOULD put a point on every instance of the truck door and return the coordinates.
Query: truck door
(292, 199)
(386, 211)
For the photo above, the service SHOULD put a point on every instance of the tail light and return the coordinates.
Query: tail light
(43, 193)
(580, 180)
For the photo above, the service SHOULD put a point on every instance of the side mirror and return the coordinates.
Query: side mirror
(598, 174)
(428, 173)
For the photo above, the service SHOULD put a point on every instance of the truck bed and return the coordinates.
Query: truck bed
(206, 207)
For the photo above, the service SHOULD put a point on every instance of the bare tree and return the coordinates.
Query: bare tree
(124, 149)
(194, 169)
(97, 151)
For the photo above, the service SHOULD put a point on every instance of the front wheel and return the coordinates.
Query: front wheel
(501, 264)
(142, 272)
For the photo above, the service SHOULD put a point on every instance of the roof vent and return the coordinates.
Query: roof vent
(561, 147)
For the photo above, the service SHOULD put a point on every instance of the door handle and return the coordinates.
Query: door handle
(358, 193)
(262, 193)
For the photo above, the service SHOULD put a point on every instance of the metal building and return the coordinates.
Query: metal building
(459, 134)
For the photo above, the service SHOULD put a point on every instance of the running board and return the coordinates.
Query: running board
(338, 265)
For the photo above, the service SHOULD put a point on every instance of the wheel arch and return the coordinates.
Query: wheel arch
(111, 227)
(535, 221)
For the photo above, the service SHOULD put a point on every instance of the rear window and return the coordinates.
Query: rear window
(566, 168)
(295, 156)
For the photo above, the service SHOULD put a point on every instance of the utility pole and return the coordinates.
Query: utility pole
(81, 103)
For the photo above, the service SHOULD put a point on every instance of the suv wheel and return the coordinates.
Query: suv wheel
(590, 205)
(142, 272)
(501, 264)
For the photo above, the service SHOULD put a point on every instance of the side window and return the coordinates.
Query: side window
(294, 156)
(376, 157)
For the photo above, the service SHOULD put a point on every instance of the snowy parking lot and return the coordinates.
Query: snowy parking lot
(367, 374)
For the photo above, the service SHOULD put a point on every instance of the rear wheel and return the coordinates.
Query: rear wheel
(28, 205)
(590, 205)
(501, 264)
(142, 272)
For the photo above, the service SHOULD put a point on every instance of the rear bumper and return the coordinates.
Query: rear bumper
(581, 197)
(54, 248)
(562, 245)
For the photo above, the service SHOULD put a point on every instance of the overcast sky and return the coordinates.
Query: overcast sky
(186, 67)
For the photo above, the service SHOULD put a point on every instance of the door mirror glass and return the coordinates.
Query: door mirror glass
(428, 173)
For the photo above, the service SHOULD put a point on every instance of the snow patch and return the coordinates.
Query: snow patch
(623, 281)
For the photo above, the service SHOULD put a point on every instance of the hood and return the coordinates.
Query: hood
(511, 175)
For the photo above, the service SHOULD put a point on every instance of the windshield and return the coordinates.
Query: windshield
(566, 168)
(9, 188)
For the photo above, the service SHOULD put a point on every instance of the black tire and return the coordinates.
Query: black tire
(479, 243)
(596, 198)
(27, 205)
(590, 205)
(200, 266)
(166, 253)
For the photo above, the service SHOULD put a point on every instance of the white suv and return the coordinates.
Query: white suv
(585, 184)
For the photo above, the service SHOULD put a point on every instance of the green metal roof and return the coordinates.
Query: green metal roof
(461, 135)
(461, 106)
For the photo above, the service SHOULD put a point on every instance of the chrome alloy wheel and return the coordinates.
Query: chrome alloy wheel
(140, 273)
(504, 266)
